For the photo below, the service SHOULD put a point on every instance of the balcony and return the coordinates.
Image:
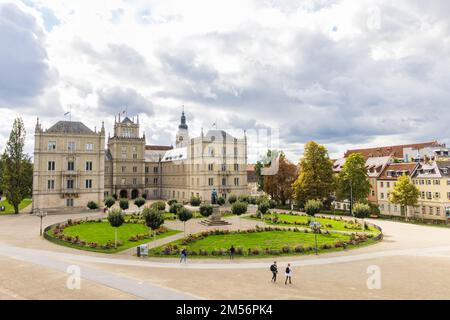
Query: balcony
(69, 193)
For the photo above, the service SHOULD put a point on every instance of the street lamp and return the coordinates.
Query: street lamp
(41, 214)
(351, 197)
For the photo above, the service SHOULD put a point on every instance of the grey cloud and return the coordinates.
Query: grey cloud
(114, 100)
(23, 59)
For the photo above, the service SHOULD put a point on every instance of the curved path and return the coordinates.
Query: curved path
(414, 262)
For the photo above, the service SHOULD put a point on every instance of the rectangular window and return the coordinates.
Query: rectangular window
(69, 202)
(71, 146)
(438, 211)
(236, 167)
(155, 180)
(124, 155)
(381, 184)
(51, 166)
(134, 181)
(211, 181)
(224, 167)
(236, 181)
(70, 166)
(123, 181)
(70, 184)
(210, 167)
(89, 184)
(124, 169)
(50, 184)
(155, 169)
(146, 169)
(224, 181)
(52, 145)
(134, 156)
(134, 169)
(381, 195)
(89, 146)
(88, 165)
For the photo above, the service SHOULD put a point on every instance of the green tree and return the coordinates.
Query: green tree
(361, 210)
(124, 204)
(405, 194)
(206, 210)
(109, 202)
(353, 179)
(17, 176)
(139, 202)
(315, 180)
(116, 219)
(184, 215)
(153, 218)
(2, 166)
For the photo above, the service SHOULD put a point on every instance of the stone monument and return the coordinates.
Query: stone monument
(216, 217)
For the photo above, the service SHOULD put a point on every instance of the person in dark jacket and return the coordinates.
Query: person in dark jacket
(232, 251)
(274, 270)
(183, 256)
(288, 274)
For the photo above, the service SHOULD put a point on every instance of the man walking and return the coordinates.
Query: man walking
(274, 270)
(288, 274)
(183, 256)
(232, 251)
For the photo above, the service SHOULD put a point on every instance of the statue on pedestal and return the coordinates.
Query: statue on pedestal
(214, 197)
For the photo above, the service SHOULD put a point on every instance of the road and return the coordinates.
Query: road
(413, 260)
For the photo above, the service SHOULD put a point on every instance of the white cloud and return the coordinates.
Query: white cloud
(346, 73)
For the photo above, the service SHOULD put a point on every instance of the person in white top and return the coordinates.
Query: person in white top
(288, 274)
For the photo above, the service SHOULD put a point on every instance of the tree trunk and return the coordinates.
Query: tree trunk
(115, 239)
(16, 209)
(406, 213)
(154, 235)
(184, 228)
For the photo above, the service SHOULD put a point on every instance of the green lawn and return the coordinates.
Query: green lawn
(102, 233)
(290, 220)
(9, 208)
(274, 240)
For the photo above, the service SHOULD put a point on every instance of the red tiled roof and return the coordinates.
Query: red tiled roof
(395, 151)
(250, 167)
(397, 167)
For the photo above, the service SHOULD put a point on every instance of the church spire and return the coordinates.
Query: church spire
(183, 124)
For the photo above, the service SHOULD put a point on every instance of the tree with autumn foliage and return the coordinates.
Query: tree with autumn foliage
(279, 186)
(315, 181)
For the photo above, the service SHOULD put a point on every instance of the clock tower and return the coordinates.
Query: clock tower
(183, 133)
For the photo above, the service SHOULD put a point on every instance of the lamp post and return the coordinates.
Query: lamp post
(351, 198)
(41, 214)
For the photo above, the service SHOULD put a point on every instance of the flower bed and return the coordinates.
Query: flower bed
(267, 241)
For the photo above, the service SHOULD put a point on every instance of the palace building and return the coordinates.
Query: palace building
(72, 167)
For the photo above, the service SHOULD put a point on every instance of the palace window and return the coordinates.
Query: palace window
(50, 184)
(210, 167)
(52, 145)
(134, 181)
(236, 167)
(70, 166)
(124, 169)
(88, 183)
(70, 184)
(71, 146)
(134, 169)
(69, 202)
(210, 181)
(88, 165)
(51, 166)
(155, 169)
(89, 146)
(236, 181)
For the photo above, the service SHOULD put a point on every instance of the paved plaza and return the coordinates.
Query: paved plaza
(414, 262)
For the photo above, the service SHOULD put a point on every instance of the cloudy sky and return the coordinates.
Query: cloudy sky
(344, 73)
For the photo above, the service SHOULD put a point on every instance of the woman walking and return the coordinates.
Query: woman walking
(288, 274)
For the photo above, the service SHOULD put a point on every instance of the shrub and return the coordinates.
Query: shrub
(361, 210)
(116, 218)
(123, 203)
(239, 208)
(153, 218)
(244, 198)
(92, 205)
(299, 249)
(110, 201)
(195, 201)
(286, 249)
(206, 210)
(159, 206)
(144, 195)
(139, 202)
(272, 204)
(172, 201)
(221, 201)
(184, 214)
(312, 207)
(115, 197)
(263, 207)
(232, 198)
(175, 207)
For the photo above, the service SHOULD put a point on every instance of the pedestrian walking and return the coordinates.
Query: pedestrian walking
(274, 270)
(232, 251)
(183, 256)
(288, 274)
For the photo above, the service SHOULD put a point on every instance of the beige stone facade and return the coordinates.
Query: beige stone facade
(68, 166)
(129, 168)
